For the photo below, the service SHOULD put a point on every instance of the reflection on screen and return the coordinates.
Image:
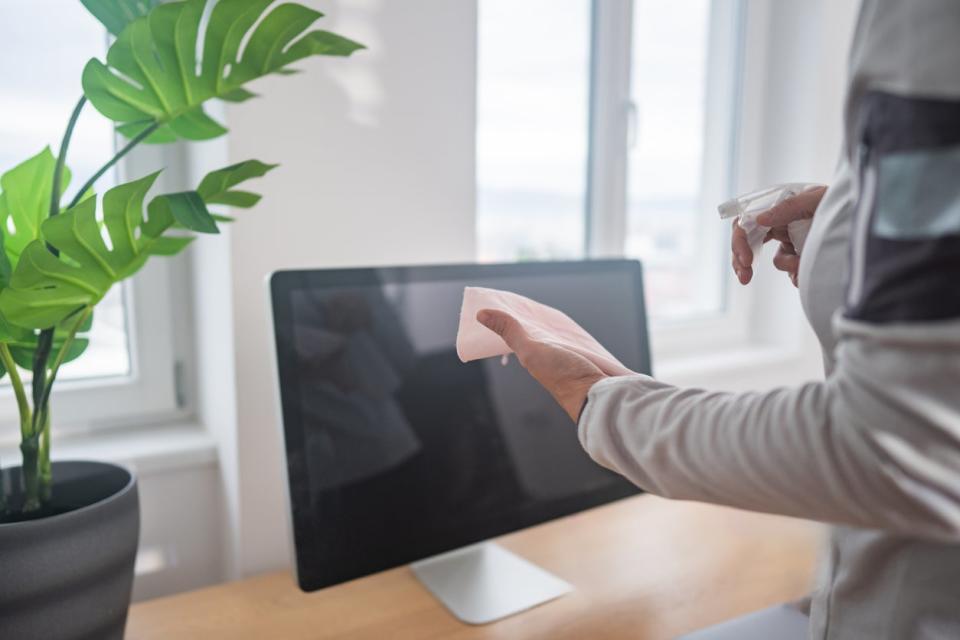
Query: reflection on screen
(408, 452)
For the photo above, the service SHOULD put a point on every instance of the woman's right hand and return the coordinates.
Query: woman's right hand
(799, 207)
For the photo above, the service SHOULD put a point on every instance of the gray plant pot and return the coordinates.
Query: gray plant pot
(68, 576)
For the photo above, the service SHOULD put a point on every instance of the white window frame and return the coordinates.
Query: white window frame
(611, 132)
(154, 390)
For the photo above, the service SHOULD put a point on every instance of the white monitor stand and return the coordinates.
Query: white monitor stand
(485, 582)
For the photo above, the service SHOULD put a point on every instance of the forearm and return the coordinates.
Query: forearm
(733, 449)
(845, 451)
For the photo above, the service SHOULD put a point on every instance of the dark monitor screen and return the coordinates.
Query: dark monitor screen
(396, 450)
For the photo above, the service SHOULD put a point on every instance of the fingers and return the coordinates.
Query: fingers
(799, 207)
(507, 327)
(742, 254)
(787, 260)
(777, 233)
(744, 274)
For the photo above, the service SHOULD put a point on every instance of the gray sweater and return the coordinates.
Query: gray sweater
(874, 449)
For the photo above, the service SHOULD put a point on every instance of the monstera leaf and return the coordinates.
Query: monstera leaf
(24, 345)
(153, 77)
(44, 289)
(11, 333)
(217, 186)
(25, 203)
(6, 268)
(117, 14)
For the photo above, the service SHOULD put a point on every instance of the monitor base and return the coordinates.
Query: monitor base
(485, 582)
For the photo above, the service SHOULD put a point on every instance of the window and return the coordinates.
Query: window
(612, 132)
(532, 134)
(118, 377)
(38, 98)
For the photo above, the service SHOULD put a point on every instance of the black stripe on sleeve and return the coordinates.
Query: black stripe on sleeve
(912, 273)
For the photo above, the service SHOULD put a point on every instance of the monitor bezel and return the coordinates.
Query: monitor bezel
(282, 283)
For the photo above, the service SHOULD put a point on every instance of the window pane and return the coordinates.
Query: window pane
(107, 354)
(52, 40)
(666, 223)
(532, 122)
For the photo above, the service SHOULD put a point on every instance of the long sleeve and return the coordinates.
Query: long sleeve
(877, 444)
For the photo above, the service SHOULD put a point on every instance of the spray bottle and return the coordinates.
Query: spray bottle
(750, 205)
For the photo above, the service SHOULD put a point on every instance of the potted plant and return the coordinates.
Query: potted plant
(68, 530)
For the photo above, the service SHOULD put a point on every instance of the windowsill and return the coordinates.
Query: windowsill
(147, 450)
(724, 365)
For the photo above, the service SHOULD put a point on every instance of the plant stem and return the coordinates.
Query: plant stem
(36, 459)
(40, 357)
(23, 405)
(30, 472)
(62, 159)
(124, 151)
(45, 339)
(35, 448)
(44, 468)
(61, 355)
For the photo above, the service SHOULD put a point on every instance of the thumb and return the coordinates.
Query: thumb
(505, 326)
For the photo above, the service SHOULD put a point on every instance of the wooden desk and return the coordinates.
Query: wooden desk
(643, 568)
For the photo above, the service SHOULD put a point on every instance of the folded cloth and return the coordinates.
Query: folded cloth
(543, 323)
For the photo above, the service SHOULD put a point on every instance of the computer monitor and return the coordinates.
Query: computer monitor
(397, 451)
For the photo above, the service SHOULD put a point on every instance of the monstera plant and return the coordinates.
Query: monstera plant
(62, 251)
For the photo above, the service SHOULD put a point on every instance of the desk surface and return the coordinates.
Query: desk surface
(642, 568)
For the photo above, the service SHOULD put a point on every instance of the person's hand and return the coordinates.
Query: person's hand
(567, 375)
(799, 207)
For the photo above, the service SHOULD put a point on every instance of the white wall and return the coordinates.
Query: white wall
(378, 168)
(799, 132)
(180, 529)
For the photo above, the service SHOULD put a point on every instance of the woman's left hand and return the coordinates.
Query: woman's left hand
(567, 375)
(802, 206)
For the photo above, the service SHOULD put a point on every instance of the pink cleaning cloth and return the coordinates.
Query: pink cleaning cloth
(475, 341)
